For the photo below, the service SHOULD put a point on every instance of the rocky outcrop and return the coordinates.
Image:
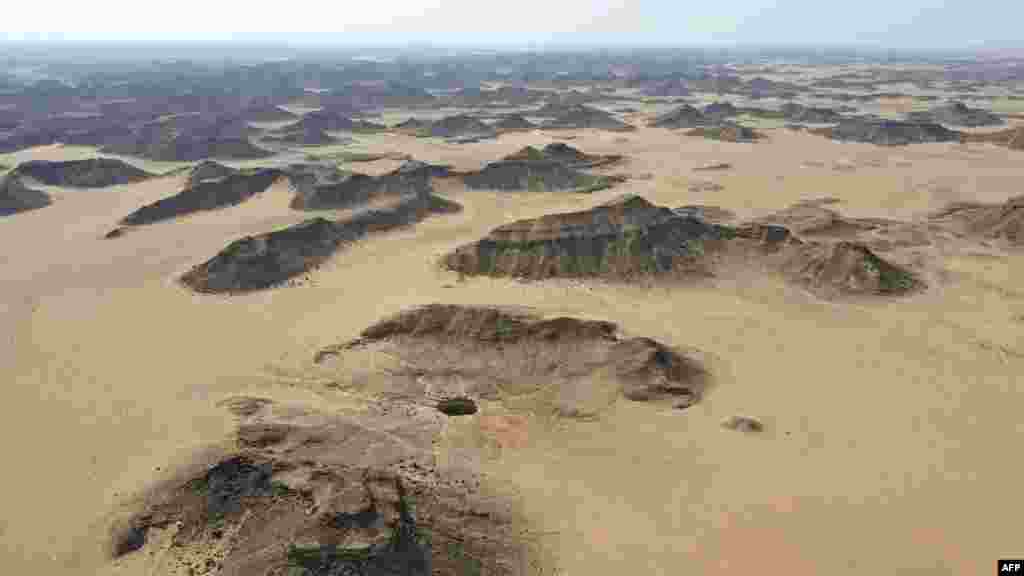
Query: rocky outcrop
(564, 154)
(206, 194)
(190, 137)
(582, 116)
(1003, 222)
(266, 112)
(535, 176)
(1012, 138)
(309, 493)
(889, 132)
(89, 173)
(267, 260)
(957, 114)
(727, 132)
(16, 197)
(460, 125)
(209, 170)
(718, 112)
(674, 88)
(322, 188)
(625, 238)
(630, 238)
(577, 368)
(794, 112)
(328, 121)
(304, 135)
(685, 116)
(513, 123)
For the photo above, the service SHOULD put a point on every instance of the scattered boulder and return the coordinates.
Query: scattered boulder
(457, 406)
(207, 194)
(89, 173)
(957, 113)
(744, 424)
(16, 197)
(888, 132)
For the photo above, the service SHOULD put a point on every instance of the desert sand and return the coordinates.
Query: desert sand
(890, 425)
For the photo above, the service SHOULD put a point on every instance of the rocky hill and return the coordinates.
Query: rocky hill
(727, 132)
(458, 125)
(513, 122)
(630, 238)
(319, 188)
(267, 260)
(535, 176)
(88, 173)
(16, 197)
(207, 194)
(1012, 138)
(957, 114)
(209, 170)
(685, 116)
(992, 221)
(308, 493)
(582, 116)
(595, 366)
(564, 154)
(889, 132)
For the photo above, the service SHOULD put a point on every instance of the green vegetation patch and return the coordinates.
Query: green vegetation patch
(891, 279)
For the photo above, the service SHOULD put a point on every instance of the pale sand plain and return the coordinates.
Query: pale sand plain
(892, 425)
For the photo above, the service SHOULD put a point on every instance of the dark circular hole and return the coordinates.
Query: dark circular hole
(457, 406)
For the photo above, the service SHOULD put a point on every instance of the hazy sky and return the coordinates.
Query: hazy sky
(893, 23)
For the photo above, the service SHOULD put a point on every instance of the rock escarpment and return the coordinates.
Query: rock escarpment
(889, 132)
(957, 114)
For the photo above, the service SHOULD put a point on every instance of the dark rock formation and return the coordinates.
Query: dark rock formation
(957, 114)
(630, 237)
(209, 170)
(889, 132)
(582, 116)
(89, 173)
(513, 122)
(190, 137)
(328, 121)
(809, 115)
(207, 194)
(673, 88)
(564, 154)
(16, 197)
(685, 116)
(727, 132)
(456, 126)
(718, 112)
(535, 176)
(267, 260)
(266, 112)
(306, 493)
(323, 188)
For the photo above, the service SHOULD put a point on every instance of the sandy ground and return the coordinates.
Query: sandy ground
(892, 427)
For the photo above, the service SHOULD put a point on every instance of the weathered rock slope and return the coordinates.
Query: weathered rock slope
(207, 194)
(16, 197)
(89, 173)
